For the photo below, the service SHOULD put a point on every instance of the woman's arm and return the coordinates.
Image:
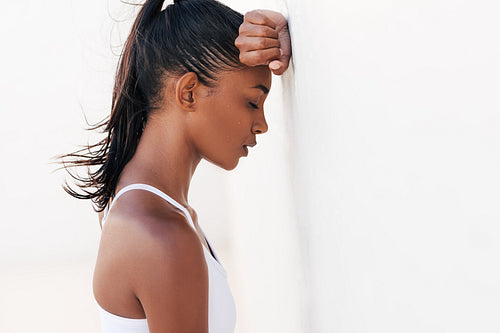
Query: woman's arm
(264, 40)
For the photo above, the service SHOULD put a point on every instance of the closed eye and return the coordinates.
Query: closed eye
(253, 105)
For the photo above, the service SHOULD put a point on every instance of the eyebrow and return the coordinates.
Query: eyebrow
(263, 88)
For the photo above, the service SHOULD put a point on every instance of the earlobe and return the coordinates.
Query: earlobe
(185, 91)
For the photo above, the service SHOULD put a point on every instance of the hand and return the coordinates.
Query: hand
(264, 40)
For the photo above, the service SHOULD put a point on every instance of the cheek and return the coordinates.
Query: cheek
(231, 122)
(227, 120)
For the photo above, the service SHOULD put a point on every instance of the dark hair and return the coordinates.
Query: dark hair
(187, 36)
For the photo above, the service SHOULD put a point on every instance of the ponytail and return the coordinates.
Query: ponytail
(188, 36)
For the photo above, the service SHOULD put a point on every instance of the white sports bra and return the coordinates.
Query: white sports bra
(221, 309)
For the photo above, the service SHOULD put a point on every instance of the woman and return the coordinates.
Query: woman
(191, 84)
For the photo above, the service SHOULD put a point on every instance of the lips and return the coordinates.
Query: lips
(245, 147)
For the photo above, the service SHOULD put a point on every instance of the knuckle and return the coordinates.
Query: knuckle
(261, 31)
(261, 43)
(243, 27)
(244, 58)
(261, 57)
(255, 16)
(250, 15)
(259, 20)
(238, 42)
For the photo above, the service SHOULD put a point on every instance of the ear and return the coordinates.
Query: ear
(185, 91)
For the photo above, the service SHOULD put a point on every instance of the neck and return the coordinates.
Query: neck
(164, 158)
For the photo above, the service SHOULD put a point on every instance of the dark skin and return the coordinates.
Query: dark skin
(264, 39)
(151, 262)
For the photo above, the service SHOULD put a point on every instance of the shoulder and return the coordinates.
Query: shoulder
(163, 260)
(150, 230)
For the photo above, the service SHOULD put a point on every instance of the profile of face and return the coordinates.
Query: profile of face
(228, 117)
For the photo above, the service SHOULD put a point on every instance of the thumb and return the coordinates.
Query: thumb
(279, 66)
(275, 65)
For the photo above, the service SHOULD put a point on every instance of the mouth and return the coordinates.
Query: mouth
(245, 147)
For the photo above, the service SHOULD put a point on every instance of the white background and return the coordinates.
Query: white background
(396, 115)
(370, 205)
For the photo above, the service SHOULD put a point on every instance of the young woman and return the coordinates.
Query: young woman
(191, 84)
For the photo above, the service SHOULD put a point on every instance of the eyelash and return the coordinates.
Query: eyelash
(253, 105)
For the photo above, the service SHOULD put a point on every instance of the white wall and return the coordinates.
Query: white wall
(53, 54)
(396, 131)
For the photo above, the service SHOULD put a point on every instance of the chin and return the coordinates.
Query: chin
(233, 167)
(230, 167)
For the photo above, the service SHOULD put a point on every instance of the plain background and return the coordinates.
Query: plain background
(396, 133)
(370, 205)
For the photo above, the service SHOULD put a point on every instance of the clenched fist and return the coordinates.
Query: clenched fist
(264, 40)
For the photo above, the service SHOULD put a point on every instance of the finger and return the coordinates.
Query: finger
(277, 18)
(255, 43)
(278, 67)
(254, 30)
(259, 57)
(258, 17)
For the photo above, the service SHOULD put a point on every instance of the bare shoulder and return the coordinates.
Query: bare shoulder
(160, 260)
(171, 280)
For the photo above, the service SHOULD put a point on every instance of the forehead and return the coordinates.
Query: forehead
(246, 77)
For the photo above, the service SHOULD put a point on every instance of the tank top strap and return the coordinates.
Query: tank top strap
(151, 189)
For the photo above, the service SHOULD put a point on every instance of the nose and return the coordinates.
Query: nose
(260, 125)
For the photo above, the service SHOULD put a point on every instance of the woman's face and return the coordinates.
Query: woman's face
(230, 115)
